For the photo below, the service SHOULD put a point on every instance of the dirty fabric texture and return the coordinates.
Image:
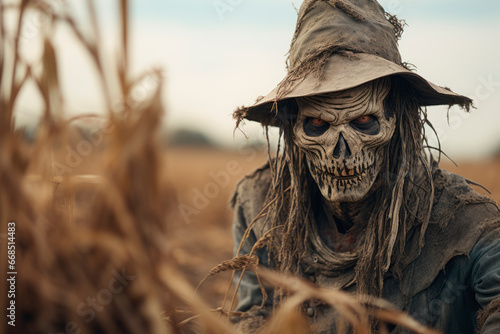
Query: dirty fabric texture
(491, 313)
(322, 30)
(455, 277)
(314, 27)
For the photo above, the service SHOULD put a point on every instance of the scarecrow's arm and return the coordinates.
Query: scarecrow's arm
(247, 203)
(486, 281)
(249, 291)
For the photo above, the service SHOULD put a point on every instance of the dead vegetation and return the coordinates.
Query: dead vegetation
(92, 252)
(97, 244)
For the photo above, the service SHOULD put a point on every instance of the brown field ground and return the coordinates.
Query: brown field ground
(202, 231)
(203, 236)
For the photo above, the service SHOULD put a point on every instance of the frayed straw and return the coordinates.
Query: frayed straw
(82, 236)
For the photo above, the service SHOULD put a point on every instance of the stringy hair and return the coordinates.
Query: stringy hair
(395, 231)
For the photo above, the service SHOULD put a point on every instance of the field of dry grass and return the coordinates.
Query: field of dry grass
(203, 181)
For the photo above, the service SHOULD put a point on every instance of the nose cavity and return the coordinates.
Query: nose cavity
(341, 149)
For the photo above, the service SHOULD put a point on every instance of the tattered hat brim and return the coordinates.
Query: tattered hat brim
(343, 72)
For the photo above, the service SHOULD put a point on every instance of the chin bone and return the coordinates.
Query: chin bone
(340, 180)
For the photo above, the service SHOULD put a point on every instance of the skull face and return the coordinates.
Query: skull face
(343, 135)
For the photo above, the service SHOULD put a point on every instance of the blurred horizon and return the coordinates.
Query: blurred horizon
(218, 55)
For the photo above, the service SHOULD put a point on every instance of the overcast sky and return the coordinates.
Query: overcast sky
(220, 54)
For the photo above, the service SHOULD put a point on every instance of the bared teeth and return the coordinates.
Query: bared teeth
(344, 173)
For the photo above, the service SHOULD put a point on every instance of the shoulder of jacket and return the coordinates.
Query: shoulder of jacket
(253, 184)
(458, 218)
(454, 196)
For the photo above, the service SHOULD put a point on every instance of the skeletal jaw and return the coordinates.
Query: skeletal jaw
(339, 183)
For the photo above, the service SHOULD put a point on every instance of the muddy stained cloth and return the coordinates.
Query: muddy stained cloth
(452, 283)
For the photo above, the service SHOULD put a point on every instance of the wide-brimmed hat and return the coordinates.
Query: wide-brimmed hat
(341, 44)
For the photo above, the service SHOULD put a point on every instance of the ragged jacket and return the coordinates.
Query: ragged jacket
(454, 281)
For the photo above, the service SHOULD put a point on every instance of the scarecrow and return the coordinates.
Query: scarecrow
(352, 199)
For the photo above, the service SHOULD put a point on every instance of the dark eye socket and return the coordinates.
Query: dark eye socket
(318, 122)
(364, 119)
(315, 127)
(367, 124)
